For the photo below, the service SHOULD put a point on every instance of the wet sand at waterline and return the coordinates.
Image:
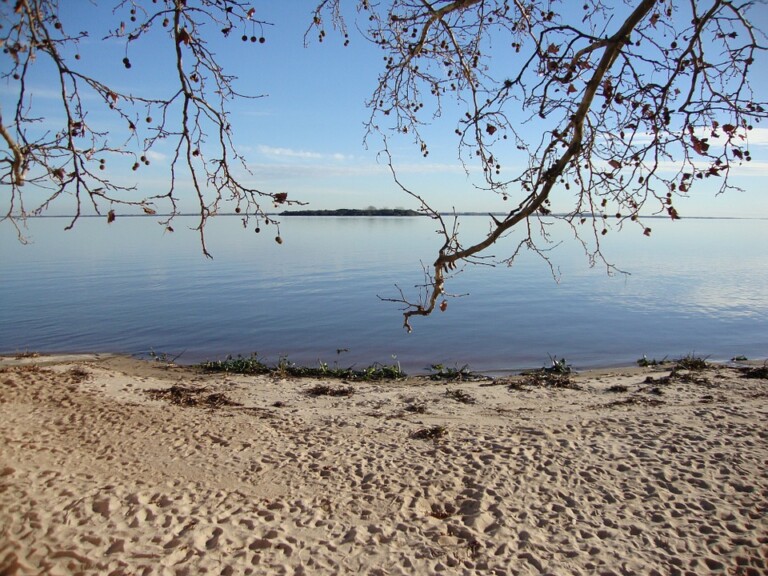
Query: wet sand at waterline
(110, 465)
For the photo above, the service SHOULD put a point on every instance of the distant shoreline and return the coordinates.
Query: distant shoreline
(353, 212)
(350, 212)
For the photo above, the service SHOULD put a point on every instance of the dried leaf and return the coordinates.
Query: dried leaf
(614, 164)
(699, 145)
(183, 36)
(111, 216)
(281, 197)
(148, 210)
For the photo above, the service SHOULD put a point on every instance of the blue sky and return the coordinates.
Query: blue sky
(305, 135)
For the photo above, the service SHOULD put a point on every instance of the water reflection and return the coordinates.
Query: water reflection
(696, 285)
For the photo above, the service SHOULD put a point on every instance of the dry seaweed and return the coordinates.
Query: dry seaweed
(460, 396)
(634, 400)
(430, 433)
(78, 374)
(515, 385)
(757, 372)
(416, 408)
(617, 389)
(443, 511)
(675, 376)
(187, 396)
(325, 390)
(26, 354)
(30, 368)
(550, 380)
(219, 400)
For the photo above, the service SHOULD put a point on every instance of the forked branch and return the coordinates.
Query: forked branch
(615, 124)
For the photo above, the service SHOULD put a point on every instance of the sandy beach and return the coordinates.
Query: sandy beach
(111, 465)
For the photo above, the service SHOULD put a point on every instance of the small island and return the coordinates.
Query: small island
(371, 211)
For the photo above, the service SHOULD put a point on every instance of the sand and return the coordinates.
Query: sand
(254, 475)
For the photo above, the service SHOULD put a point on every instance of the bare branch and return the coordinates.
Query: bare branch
(74, 159)
(619, 110)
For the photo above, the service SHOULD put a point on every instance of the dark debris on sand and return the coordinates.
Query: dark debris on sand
(188, 396)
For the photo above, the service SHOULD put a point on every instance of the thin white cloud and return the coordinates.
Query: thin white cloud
(750, 169)
(341, 169)
(155, 156)
(303, 170)
(754, 137)
(743, 169)
(758, 137)
(36, 92)
(671, 167)
(284, 153)
(305, 163)
(427, 168)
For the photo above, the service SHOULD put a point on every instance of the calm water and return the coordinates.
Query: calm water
(696, 286)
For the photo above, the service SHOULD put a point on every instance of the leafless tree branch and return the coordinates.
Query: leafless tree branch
(76, 158)
(633, 103)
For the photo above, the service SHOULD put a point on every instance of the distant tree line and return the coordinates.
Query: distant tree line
(370, 211)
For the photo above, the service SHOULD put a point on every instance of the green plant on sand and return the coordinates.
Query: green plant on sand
(557, 375)
(285, 368)
(644, 362)
(456, 374)
(691, 362)
(236, 365)
(558, 366)
(163, 357)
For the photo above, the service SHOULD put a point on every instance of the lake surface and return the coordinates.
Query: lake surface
(696, 286)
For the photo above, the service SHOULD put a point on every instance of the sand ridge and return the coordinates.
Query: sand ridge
(625, 475)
